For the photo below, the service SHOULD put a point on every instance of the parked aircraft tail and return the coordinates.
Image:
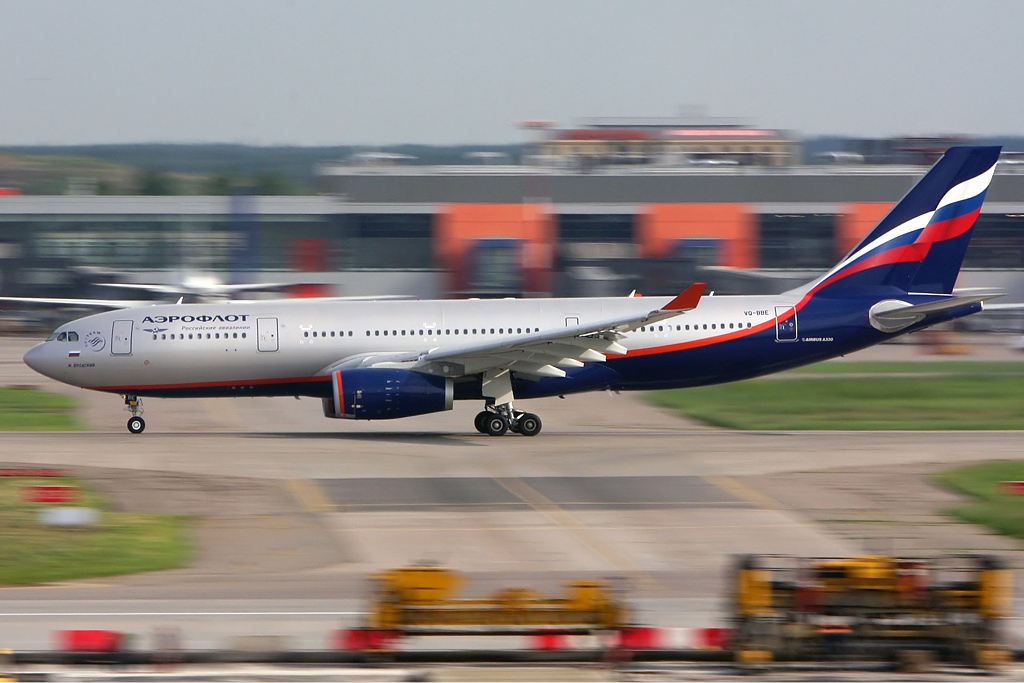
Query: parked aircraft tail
(920, 244)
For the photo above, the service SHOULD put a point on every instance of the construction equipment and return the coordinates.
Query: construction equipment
(870, 607)
(422, 601)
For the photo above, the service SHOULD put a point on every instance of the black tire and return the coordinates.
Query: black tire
(495, 425)
(529, 425)
(478, 421)
(136, 425)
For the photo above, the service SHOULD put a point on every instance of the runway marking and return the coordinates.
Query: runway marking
(567, 521)
(310, 496)
(592, 504)
(181, 614)
(744, 492)
(637, 527)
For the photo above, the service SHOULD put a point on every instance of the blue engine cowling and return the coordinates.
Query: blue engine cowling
(384, 393)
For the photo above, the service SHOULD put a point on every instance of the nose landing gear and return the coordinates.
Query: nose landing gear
(133, 404)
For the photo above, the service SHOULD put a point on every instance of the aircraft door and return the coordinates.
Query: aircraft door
(121, 338)
(266, 334)
(785, 324)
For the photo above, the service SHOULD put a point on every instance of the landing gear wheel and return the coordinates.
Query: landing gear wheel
(480, 420)
(136, 425)
(495, 424)
(528, 425)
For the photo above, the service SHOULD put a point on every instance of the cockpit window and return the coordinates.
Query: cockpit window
(52, 337)
(72, 336)
(63, 336)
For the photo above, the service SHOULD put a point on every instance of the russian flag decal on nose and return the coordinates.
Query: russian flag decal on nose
(74, 354)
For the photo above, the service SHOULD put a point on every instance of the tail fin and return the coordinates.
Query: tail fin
(920, 244)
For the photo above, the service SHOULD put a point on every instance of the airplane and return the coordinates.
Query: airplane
(391, 359)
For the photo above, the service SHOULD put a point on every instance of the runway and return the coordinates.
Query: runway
(294, 511)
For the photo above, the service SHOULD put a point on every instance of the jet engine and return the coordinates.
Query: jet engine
(385, 393)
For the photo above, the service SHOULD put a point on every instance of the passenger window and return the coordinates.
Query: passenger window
(243, 335)
(661, 328)
(207, 335)
(217, 335)
(314, 334)
(421, 333)
(385, 333)
(687, 327)
(350, 333)
(154, 337)
(190, 335)
(447, 331)
(234, 335)
(705, 326)
(403, 333)
(465, 331)
(323, 334)
(677, 328)
(394, 333)
(730, 326)
(474, 330)
(172, 336)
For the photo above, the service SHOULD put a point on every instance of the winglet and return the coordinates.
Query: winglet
(688, 299)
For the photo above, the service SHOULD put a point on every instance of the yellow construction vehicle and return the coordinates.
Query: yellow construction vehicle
(423, 600)
(870, 607)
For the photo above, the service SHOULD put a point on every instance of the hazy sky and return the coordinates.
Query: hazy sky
(376, 72)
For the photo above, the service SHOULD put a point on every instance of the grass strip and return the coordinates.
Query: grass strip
(954, 402)
(994, 507)
(924, 367)
(121, 543)
(31, 410)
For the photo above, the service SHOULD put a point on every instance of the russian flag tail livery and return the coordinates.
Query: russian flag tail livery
(920, 244)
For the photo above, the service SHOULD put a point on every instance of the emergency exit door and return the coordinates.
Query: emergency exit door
(121, 338)
(266, 334)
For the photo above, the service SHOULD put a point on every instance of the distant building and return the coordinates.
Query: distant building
(668, 142)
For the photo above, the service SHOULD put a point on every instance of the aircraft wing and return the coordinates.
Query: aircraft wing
(179, 289)
(84, 303)
(540, 354)
(545, 354)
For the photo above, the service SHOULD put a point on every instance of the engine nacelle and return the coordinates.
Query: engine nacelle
(384, 393)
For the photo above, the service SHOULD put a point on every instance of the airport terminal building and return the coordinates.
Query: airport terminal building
(493, 231)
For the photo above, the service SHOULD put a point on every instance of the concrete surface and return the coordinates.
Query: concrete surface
(294, 510)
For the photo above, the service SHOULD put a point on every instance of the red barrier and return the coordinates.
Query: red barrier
(90, 640)
(714, 638)
(356, 639)
(640, 638)
(50, 494)
(29, 472)
(1013, 488)
(549, 641)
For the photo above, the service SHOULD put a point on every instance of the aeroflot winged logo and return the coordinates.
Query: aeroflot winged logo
(95, 341)
(232, 318)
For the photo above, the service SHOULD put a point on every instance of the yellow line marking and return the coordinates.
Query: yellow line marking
(310, 496)
(583, 534)
(744, 492)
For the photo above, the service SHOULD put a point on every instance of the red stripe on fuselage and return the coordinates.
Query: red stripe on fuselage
(224, 383)
(706, 341)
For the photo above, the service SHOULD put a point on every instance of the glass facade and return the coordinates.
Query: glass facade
(997, 242)
(797, 240)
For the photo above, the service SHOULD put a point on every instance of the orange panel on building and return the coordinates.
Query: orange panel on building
(659, 226)
(856, 222)
(458, 226)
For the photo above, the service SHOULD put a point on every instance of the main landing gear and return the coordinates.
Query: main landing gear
(133, 404)
(496, 421)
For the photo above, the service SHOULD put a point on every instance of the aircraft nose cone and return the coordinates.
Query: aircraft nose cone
(34, 358)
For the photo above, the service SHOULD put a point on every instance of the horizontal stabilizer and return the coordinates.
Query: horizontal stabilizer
(893, 315)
